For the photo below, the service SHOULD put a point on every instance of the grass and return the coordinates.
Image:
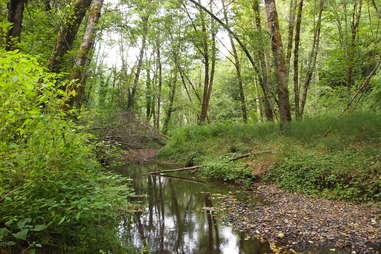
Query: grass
(326, 156)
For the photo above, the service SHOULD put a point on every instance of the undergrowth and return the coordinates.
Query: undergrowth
(325, 156)
(228, 171)
(54, 195)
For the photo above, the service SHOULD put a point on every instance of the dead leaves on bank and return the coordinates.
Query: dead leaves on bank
(302, 223)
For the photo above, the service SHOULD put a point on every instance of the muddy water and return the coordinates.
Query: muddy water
(178, 217)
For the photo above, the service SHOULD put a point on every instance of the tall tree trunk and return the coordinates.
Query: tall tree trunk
(247, 53)
(263, 79)
(208, 55)
(312, 59)
(160, 81)
(82, 57)
(213, 64)
(15, 17)
(149, 94)
(171, 103)
(237, 66)
(68, 33)
(279, 63)
(296, 60)
(357, 7)
(291, 26)
(132, 90)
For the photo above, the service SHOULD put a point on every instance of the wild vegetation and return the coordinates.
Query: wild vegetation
(293, 84)
(52, 186)
(324, 156)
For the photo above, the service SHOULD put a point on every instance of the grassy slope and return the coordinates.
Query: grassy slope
(327, 156)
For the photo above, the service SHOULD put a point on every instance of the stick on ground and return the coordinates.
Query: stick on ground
(176, 170)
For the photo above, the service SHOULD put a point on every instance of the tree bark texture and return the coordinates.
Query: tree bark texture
(209, 61)
(15, 17)
(263, 75)
(296, 60)
(82, 58)
(68, 33)
(279, 63)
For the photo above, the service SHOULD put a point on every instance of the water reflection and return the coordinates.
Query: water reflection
(178, 218)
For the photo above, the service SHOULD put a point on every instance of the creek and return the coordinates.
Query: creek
(177, 217)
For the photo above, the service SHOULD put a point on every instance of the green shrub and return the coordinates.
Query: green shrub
(346, 175)
(53, 192)
(227, 171)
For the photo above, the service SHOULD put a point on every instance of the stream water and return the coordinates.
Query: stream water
(178, 218)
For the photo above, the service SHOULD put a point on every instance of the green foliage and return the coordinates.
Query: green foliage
(346, 175)
(220, 138)
(53, 192)
(227, 171)
(27, 92)
(4, 28)
(328, 156)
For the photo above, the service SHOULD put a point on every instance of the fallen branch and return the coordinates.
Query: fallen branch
(184, 179)
(176, 170)
(201, 166)
(249, 154)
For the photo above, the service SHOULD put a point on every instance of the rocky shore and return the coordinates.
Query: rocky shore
(301, 223)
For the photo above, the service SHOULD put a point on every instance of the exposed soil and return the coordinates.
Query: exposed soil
(140, 156)
(303, 223)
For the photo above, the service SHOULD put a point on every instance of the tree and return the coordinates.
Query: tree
(68, 32)
(82, 57)
(237, 66)
(280, 66)
(15, 17)
(132, 90)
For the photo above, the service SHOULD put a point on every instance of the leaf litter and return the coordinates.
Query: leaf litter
(303, 224)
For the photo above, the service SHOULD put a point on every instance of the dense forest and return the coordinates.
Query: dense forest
(283, 93)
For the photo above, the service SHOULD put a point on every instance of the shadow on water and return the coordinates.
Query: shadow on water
(178, 218)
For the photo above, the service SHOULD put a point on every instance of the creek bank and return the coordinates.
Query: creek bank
(303, 223)
(299, 222)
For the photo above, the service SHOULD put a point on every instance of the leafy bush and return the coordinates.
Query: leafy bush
(345, 175)
(53, 193)
(227, 171)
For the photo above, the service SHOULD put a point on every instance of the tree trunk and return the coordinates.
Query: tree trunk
(263, 79)
(296, 60)
(149, 94)
(247, 53)
(132, 90)
(47, 5)
(15, 17)
(312, 59)
(291, 26)
(208, 70)
(171, 103)
(357, 7)
(237, 66)
(213, 64)
(279, 63)
(82, 57)
(160, 73)
(68, 33)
